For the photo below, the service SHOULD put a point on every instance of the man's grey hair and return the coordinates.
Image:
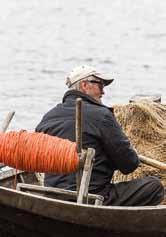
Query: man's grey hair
(76, 86)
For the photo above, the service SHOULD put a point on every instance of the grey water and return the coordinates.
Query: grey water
(41, 41)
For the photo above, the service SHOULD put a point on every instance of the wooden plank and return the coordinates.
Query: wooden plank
(7, 178)
(83, 192)
(62, 194)
(9, 173)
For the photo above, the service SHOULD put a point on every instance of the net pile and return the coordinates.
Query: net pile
(145, 125)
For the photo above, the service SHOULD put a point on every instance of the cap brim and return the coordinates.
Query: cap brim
(105, 77)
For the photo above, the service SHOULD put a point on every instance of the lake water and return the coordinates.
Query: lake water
(41, 41)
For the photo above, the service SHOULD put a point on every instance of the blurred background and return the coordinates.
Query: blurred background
(42, 40)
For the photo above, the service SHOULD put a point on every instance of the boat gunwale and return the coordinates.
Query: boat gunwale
(139, 208)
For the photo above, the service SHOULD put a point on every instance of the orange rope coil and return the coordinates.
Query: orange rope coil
(39, 152)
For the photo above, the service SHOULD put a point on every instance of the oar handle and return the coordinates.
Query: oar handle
(152, 162)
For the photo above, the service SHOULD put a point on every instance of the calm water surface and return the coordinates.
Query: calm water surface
(40, 41)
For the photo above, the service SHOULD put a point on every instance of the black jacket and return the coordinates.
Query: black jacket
(101, 131)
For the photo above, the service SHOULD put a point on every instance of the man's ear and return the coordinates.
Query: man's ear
(83, 86)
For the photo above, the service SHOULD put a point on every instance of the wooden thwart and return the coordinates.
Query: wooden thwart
(57, 193)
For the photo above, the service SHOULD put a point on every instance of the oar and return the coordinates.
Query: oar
(152, 162)
(5, 125)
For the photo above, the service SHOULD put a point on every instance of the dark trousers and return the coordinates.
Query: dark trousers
(146, 191)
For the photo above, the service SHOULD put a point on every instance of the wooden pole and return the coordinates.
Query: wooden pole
(78, 133)
(84, 186)
(152, 162)
(7, 121)
(5, 125)
(79, 124)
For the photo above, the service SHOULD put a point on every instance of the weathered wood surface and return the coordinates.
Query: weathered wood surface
(7, 121)
(152, 162)
(78, 135)
(18, 223)
(55, 192)
(8, 173)
(7, 177)
(78, 125)
(84, 186)
(110, 219)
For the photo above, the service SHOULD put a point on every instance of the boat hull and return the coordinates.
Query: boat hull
(41, 216)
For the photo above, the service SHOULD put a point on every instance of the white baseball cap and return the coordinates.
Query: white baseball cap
(82, 72)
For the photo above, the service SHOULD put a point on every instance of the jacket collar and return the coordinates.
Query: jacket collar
(74, 94)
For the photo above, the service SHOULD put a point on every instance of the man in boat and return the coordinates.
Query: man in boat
(102, 132)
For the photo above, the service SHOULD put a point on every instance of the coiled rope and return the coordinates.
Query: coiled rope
(31, 151)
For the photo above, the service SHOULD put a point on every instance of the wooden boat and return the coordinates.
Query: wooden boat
(48, 212)
(34, 210)
(29, 214)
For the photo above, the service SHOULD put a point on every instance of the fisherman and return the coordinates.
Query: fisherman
(102, 132)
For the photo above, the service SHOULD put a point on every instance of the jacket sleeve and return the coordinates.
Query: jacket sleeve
(117, 146)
